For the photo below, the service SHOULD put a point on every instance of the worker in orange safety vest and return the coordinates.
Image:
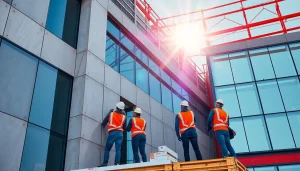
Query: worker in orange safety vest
(218, 119)
(186, 130)
(137, 126)
(116, 120)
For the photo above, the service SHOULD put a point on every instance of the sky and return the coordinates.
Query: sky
(166, 8)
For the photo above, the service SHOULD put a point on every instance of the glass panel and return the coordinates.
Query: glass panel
(112, 54)
(239, 142)
(113, 30)
(176, 87)
(281, 136)
(17, 77)
(127, 42)
(294, 119)
(256, 132)
(228, 95)
(154, 86)
(282, 61)
(270, 97)
(139, 54)
(270, 168)
(295, 49)
(289, 167)
(166, 96)
(185, 94)
(248, 99)
(261, 64)
(250, 169)
(241, 67)
(221, 70)
(127, 65)
(290, 91)
(165, 77)
(42, 150)
(154, 67)
(176, 103)
(142, 78)
(63, 20)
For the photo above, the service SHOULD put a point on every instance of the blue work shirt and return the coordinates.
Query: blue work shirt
(191, 132)
(210, 119)
(105, 121)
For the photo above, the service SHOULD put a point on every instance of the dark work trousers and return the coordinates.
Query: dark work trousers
(188, 136)
(139, 142)
(224, 141)
(117, 138)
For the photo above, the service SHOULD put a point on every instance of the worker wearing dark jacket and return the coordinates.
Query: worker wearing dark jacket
(116, 121)
(137, 126)
(186, 130)
(218, 119)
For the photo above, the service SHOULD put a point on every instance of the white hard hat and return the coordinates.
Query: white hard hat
(184, 103)
(120, 105)
(137, 110)
(220, 101)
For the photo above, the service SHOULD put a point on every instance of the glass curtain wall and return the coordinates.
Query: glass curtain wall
(261, 90)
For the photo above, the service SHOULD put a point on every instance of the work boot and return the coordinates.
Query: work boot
(103, 165)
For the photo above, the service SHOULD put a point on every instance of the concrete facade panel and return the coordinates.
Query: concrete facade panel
(4, 10)
(97, 31)
(72, 154)
(37, 10)
(12, 135)
(112, 79)
(147, 118)
(77, 96)
(75, 126)
(89, 155)
(273, 40)
(111, 99)
(169, 137)
(225, 48)
(156, 109)
(168, 117)
(91, 130)
(59, 53)
(84, 25)
(95, 68)
(104, 3)
(128, 90)
(20, 29)
(293, 36)
(179, 149)
(157, 132)
(93, 99)
(143, 100)
(80, 65)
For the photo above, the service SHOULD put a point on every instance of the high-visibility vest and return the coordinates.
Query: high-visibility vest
(138, 126)
(186, 121)
(116, 121)
(220, 119)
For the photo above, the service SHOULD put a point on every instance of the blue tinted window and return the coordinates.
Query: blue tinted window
(154, 86)
(269, 168)
(295, 49)
(270, 97)
(289, 167)
(176, 87)
(248, 99)
(166, 96)
(154, 67)
(261, 63)
(250, 169)
(42, 150)
(185, 94)
(228, 95)
(241, 67)
(282, 61)
(112, 54)
(140, 55)
(142, 78)
(113, 30)
(281, 136)
(290, 91)
(165, 77)
(256, 132)
(63, 20)
(221, 70)
(127, 42)
(127, 66)
(294, 119)
(176, 103)
(239, 142)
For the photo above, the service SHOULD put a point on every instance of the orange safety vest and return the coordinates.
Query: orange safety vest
(220, 119)
(116, 121)
(186, 121)
(138, 126)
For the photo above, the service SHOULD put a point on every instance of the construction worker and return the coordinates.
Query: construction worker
(186, 130)
(116, 121)
(137, 126)
(218, 119)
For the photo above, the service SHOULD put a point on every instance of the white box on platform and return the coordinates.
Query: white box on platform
(163, 158)
(166, 149)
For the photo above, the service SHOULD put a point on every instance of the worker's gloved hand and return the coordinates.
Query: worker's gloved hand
(179, 138)
(209, 128)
